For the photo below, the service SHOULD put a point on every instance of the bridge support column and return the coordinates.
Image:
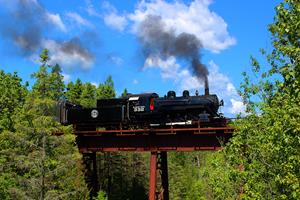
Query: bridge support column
(164, 175)
(152, 178)
(91, 176)
(158, 163)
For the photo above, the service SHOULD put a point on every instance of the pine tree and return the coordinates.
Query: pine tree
(74, 91)
(49, 81)
(106, 90)
(39, 160)
(36, 164)
(125, 92)
(88, 96)
(56, 84)
(12, 97)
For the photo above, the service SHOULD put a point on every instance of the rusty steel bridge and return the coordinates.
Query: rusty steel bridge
(156, 140)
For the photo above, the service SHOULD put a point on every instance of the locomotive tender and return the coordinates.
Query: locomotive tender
(144, 110)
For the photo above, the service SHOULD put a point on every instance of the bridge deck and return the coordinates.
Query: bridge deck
(161, 139)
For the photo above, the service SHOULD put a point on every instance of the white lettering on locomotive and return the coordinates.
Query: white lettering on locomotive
(138, 108)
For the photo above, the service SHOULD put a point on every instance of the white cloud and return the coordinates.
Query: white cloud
(107, 6)
(219, 84)
(230, 87)
(195, 18)
(67, 60)
(56, 20)
(112, 18)
(237, 106)
(115, 21)
(110, 15)
(90, 9)
(169, 68)
(78, 19)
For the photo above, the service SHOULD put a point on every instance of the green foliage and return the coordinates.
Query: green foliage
(125, 92)
(285, 58)
(283, 76)
(123, 175)
(200, 175)
(49, 81)
(88, 96)
(101, 196)
(12, 98)
(267, 147)
(39, 160)
(264, 154)
(74, 91)
(34, 163)
(106, 90)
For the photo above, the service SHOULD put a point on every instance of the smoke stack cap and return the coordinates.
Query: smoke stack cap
(171, 94)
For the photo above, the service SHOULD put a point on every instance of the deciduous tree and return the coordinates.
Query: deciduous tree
(266, 143)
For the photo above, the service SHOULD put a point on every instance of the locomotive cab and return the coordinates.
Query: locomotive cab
(141, 106)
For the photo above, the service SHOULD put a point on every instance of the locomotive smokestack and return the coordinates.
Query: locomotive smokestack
(206, 86)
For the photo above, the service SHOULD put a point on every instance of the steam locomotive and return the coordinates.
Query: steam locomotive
(145, 110)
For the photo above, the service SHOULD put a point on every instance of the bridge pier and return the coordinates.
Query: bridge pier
(91, 175)
(158, 180)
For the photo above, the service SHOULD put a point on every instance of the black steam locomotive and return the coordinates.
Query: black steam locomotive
(144, 110)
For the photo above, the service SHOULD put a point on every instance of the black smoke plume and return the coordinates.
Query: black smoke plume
(23, 25)
(28, 27)
(157, 41)
(75, 46)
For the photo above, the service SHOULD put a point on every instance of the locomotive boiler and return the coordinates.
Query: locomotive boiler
(144, 110)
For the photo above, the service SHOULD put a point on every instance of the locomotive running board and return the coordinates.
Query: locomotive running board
(157, 131)
(173, 124)
(179, 123)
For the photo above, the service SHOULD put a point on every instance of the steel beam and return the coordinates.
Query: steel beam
(164, 175)
(177, 142)
(152, 178)
(167, 131)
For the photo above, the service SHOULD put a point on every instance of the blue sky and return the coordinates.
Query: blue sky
(93, 39)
